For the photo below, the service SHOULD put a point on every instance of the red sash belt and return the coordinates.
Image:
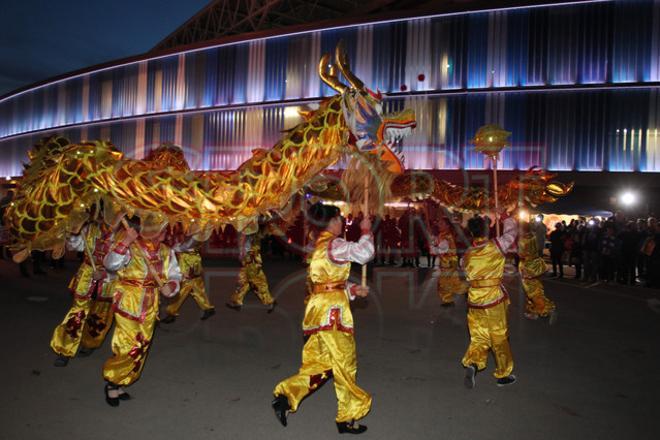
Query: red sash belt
(139, 283)
(328, 287)
(491, 282)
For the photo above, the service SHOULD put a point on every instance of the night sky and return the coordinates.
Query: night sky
(43, 38)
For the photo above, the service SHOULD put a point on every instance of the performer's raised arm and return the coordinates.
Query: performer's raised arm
(507, 240)
(360, 252)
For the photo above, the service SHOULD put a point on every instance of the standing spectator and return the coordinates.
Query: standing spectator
(575, 257)
(557, 249)
(652, 250)
(629, 239)
(377, 224)
(608, 246)
(590, 256)
(642, 234)
(391, 239)
(407, 238)
(422, 239)
(541, 232)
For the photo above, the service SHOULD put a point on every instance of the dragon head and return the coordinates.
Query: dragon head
(370, 129)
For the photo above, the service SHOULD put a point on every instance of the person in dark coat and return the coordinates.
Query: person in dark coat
(557, 249)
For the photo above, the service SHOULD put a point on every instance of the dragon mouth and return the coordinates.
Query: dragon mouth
(393, 133)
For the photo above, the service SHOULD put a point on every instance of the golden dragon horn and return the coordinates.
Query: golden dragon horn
(345, 68)
(329, 75)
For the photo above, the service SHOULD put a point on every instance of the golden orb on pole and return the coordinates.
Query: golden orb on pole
(490, 139)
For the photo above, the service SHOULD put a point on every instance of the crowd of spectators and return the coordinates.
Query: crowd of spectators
(618, 249)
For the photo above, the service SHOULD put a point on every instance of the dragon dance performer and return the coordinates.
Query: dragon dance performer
(190, 264)
(329, 349)
(251, 274)
(137, 260)
(90, 316)
(531, 268)
(488, 301)
(449, 281)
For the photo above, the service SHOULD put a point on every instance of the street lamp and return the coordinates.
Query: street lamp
(628, 198)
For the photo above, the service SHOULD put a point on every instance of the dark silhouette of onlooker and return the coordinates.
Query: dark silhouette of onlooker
(629, 240)
(608, 247)
(557, 250)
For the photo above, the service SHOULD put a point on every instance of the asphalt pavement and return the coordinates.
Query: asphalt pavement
(592, 375)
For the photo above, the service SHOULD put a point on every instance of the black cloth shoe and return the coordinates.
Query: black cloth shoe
(61, 361)
(350, 428)
(112, 401)
(504, 381)
(85, 352)
(281, 407)
(169, 319)
(470, 374)
(233, 306)
(123, 395)
(271, 307)
(207, 314)
(449, 304)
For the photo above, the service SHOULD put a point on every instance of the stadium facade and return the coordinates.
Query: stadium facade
(577, 84)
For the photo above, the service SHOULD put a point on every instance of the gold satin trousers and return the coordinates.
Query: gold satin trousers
(537, 302)
(326, 354)
(131, 341)
(86, 323)
(252, 276)
(193, 287)
(489, 331)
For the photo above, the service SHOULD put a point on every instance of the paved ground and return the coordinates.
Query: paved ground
(594, 375)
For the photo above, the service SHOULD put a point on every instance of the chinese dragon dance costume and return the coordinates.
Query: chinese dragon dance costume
(531, 268)
(145, 267)
(251, 275)
(192, 283)
(329, 350)
(488, 301)
(449, 278)
(90, 316)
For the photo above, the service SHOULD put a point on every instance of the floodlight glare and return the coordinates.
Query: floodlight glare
(628, 198)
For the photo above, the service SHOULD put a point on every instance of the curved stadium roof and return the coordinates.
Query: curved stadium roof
(577, 83)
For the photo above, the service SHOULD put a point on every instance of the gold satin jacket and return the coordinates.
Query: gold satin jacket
(135, 290)
(328, 306)
(484, 267)
(95, 240)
